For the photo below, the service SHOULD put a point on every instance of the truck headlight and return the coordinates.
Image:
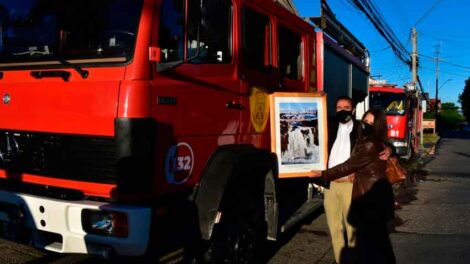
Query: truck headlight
(400, 144)
(103, 222)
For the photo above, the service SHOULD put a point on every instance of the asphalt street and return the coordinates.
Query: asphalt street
(432, 226)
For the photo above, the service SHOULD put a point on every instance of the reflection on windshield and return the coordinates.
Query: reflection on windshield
(392, 103)
(171, 30)
(41, 30)
(207, 33)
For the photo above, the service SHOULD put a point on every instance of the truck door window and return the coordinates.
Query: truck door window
(214, 19)
(255, 40)
(40, 30)
(290, 54)
(171, 33)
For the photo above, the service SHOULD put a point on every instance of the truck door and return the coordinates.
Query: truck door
(258, 75)
(197, 98)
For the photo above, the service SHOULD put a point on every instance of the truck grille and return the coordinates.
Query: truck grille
(71, 157)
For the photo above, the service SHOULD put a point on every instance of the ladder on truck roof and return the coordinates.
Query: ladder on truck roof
(328, 23)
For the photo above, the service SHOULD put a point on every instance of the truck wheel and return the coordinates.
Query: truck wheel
(237, 239)
(409, 151)
(407, 156)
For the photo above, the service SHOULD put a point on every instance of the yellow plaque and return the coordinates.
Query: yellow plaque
(259, 109)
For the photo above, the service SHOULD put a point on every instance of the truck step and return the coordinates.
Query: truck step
(305, 210)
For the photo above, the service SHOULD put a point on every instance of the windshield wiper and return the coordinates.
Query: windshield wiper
(33, 52)
(82, 72)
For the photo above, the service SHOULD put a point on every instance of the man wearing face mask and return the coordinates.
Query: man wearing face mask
(342, 135)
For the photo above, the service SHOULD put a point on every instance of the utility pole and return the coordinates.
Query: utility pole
(414, 57)
(414, 69)
(437, 52)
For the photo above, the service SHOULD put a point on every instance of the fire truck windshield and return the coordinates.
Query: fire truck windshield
(87, 31)
(206, 27)
(392, 103)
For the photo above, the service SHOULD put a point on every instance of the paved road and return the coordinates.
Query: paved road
(433, 225)
(436, 223)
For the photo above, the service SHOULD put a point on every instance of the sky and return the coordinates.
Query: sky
(446, 26)
(297, 107)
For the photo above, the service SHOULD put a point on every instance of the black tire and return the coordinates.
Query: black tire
(237, 239)
(407, 157)
(410, 151)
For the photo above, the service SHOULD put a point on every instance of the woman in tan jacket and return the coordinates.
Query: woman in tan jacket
(372, 197)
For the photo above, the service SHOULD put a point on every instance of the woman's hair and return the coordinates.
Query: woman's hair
(380, 123)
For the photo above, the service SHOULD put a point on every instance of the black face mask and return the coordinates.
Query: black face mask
(367, 130)
(344, 116)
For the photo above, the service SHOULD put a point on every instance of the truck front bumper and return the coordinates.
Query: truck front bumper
(56, 225)
(401, 146)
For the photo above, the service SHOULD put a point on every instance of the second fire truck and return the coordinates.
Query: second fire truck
(404, 117)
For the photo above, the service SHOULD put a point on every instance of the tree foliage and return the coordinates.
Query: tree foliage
(450, 115)
(464, 99)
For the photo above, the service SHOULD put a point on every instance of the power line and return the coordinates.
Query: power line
(444, 61)
(421, 88)
(405, 21)
(447, 38)
(380, 50)
(376, 18)
(456, 65)
(428, 12)
(446, 72)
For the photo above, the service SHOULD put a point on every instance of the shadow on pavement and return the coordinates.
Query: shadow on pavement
(273, 247)
(462, 154)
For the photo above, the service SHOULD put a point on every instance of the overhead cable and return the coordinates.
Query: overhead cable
(444, 61)
(376, 18)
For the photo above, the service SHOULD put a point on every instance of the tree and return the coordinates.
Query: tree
(450, 116)
(464, 99)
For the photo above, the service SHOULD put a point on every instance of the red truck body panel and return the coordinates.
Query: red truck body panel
(197, 124)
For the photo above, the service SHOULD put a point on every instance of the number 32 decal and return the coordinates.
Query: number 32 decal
(179, 163)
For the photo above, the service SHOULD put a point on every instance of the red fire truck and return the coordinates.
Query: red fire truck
(137, 127)
(403, 109)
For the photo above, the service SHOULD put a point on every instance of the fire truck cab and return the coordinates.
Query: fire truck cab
(129, 127)
(402, 111)
(138, 127)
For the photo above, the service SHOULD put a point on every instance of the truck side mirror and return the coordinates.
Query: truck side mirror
(155, 54)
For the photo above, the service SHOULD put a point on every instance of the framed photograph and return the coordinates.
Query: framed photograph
(299, 133)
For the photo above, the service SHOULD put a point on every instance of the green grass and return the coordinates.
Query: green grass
(430, 138)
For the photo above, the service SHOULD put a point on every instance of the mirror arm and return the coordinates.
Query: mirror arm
(170, 65)
(198, 41)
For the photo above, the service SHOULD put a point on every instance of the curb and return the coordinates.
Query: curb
(433, 148)
(431, 151)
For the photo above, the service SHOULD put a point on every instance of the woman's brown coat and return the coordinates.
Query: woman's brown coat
(366, 165)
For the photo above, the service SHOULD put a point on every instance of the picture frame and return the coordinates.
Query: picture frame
(299, 133)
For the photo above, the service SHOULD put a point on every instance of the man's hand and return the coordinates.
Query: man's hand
(386, 153)
(319, 178)
(315, 174)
